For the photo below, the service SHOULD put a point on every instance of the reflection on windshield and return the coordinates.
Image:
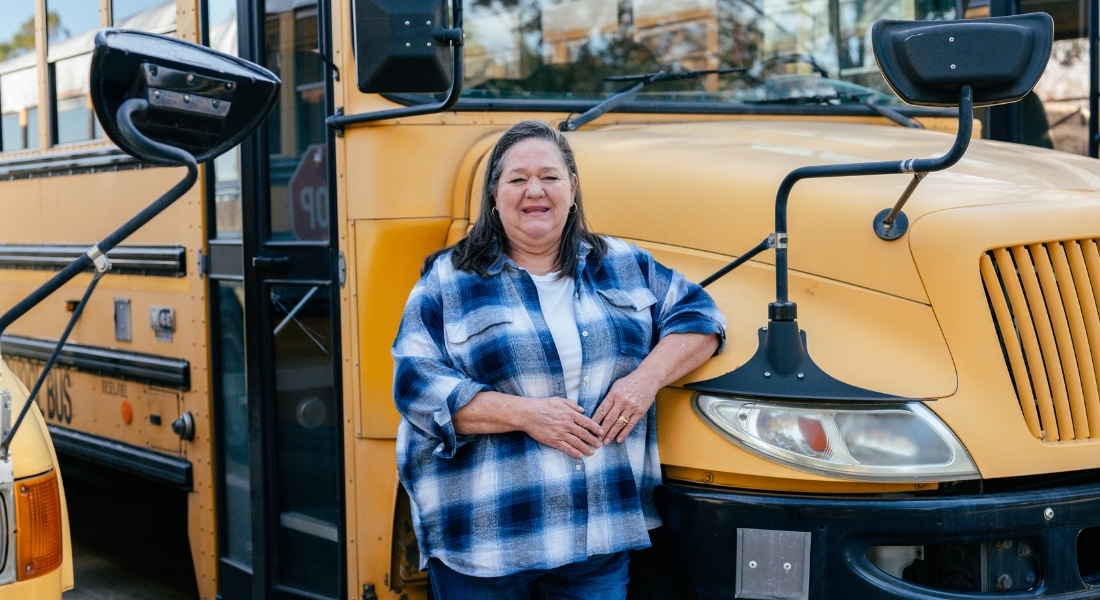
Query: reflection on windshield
(549, 49)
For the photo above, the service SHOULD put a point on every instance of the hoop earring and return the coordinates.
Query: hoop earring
(573, 208)
(496, 213)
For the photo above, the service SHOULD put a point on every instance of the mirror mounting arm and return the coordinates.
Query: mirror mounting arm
(453, 37)
(782, 366)
(168, 155)
(912, 165)
(921, 61)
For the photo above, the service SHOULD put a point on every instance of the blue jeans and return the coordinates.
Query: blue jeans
(602, 577)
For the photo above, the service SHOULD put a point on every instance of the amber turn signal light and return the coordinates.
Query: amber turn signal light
(38, 546)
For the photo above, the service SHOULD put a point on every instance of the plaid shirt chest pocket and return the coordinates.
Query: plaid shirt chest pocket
(478, 342)
(631, 314)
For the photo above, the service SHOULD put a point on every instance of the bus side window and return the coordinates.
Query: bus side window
(19, 81)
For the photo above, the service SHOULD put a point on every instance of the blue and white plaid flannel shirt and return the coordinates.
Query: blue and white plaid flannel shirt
(495, 504)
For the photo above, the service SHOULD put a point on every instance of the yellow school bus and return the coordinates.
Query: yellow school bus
(944, 442)
(36, 556)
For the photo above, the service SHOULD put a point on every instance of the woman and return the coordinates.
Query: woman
(525, 351)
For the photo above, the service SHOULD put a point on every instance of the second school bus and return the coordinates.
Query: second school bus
(238, 352)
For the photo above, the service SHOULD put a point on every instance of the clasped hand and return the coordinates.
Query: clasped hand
(562, 424)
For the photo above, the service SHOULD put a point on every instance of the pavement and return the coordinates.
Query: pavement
(129, 541)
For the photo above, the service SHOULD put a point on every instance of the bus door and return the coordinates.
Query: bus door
(274, 277)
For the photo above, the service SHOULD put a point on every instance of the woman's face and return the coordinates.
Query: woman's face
(533, 196)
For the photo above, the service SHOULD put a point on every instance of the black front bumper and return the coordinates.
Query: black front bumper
(1025, 544)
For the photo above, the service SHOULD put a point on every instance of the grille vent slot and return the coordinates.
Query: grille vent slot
(1043, 298)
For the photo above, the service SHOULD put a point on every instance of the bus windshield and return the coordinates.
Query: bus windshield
(812, 52)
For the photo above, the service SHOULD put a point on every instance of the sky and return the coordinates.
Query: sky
(17, 11)
(76, 15)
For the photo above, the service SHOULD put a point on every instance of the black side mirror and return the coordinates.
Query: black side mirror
(196, 99)
(932, 63)
(403, 46)
(1000, 58)
(164, 101)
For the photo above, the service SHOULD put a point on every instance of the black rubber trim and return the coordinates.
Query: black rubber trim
(701, 524)
(170, 470)
(70, 162)
(148, 369)
(168, 261)
(641, 106)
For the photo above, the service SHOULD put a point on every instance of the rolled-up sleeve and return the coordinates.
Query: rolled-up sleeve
(427, 388)
(683, 306)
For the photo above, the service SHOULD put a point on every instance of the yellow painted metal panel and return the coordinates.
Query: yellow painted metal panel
(388, 256)
(1037, 382)
(1089, 292)
(372, 489)
(1016, 356)
(1069, 265)
(82, 209)
(1002, 442)
(1056, 344)
(33, 454)
(46, 587)
(1032, 273)
(30, 443)
(421, 166)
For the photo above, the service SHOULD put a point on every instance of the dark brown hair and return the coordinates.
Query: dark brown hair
(487, 238)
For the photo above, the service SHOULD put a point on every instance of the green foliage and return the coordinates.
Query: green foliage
(22, 41)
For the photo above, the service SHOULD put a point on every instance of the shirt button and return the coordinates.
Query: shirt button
(578, 466)
(584, 333)
(586, 378)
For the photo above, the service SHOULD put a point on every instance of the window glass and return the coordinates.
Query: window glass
(233, 415)
(70, 31)
(1056, 115)
(19, 109)
(18, 77)
(74, 21)
(231, 401)
(306, 444)
(222, 35)
(567, 49)
(222, 25)
(71, 27)
(157, 16)
(299, 208)
(75, 117)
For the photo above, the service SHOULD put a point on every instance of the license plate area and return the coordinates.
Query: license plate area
(773, 564)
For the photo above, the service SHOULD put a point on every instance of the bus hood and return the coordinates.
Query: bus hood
(987, 304)
(712, 187)
(868, 306)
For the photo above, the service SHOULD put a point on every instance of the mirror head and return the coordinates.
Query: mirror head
(927, 62)
(402, 46)
(199, 100)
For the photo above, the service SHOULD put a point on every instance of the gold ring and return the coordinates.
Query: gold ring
(624, 420)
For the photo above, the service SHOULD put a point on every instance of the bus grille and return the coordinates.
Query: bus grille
(1043, 298)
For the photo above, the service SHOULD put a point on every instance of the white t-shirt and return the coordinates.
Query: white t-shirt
(556, 298)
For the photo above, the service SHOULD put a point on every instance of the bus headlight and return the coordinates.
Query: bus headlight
(870, 442)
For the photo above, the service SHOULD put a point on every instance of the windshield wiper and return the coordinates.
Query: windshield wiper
(808, 99)
(885, 111)
(828, 99)
(642, 81)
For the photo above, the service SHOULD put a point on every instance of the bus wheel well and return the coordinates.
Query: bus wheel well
(404, 554)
